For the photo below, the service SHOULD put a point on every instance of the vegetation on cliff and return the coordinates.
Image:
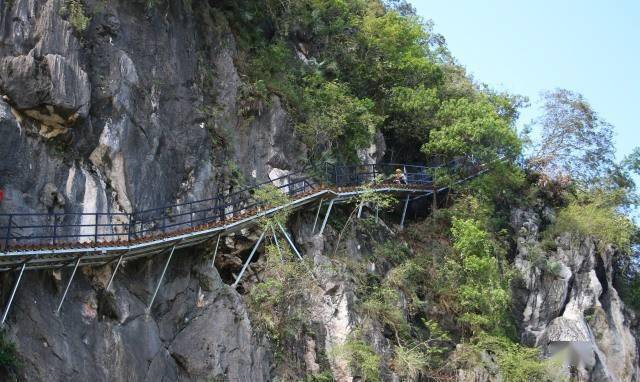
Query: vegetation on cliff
(347, 69)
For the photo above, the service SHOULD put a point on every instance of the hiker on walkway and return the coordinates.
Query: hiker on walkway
(399, 177)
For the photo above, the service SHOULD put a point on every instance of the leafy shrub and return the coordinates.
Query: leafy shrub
(278, 305)
(74, 10)
(595, 215)
(391, 251)
(516, 362)
(335, 120)
(9, 361)
(383, 304)
(325, 376)
(482, 293)
(361, 357)
(626, 279)
(409, 362)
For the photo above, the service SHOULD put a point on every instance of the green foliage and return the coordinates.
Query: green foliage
(335, 120)
(325, 376)
(627, 280)
(391, 251)
(361, 357)
(574, 141)
(269, 196)
(9, 361)
(594, 214)
(278, 305)
(409, 362)
(472, 129)
(74, 11)
(383, 304)
(516, 362)
(395, 51)
(272, 69)
(482, 291)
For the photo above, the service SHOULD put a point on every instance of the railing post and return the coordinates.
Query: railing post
(191, 214)
(55, 228)
(131, 223)
(95, 231)
(6, 241)
(164, 222)
(220, 207)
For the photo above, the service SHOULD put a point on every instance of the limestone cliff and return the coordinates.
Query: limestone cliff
(143, 109)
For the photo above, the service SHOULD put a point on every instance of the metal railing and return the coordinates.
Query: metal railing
(31, 230)
(24, 231)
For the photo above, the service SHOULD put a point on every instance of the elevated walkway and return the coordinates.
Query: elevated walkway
(57, 240)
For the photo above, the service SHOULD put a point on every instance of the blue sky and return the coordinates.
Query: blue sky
(589, 46)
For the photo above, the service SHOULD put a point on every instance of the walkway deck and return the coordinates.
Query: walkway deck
(54, 240)
(58, 240)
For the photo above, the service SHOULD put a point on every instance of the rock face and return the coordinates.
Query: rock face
(144, 108)
(566, 301)
(197, 330)
(143, 99)
(138, 110)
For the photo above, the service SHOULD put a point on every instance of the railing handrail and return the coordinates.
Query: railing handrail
(100, 225)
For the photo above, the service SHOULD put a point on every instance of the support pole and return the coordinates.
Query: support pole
(64, 295)
(161, 278)
(404, 211)
(326, 217)
(113, 275)
(360, 210)
(13, 293)
(377, 208)
(275, 239)
(291, 241)
(246, 264)
(215, 252)
(315, 222)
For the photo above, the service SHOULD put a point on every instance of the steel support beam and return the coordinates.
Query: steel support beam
(166, 265)
(284, 232)
(246, 264)
(215, 252)
(326, 217)
(360, 210)
(315, 221)
(13, 293)
(66, 290)
(404, 211)
(113, 275)
(275, 239)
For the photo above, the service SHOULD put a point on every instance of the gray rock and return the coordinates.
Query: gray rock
(566, 301)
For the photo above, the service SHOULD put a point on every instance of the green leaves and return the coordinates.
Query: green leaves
(574, 140)
(595, 214)
(336, 120)
(75, 13)
(474, 271)
(472, 128)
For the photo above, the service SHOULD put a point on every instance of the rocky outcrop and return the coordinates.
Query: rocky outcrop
(566, 302)
(138, 110)
(197, 329)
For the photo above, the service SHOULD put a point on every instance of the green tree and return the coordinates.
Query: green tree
(574, 141)
(474, 271)
(472, 129)
(335, 120)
